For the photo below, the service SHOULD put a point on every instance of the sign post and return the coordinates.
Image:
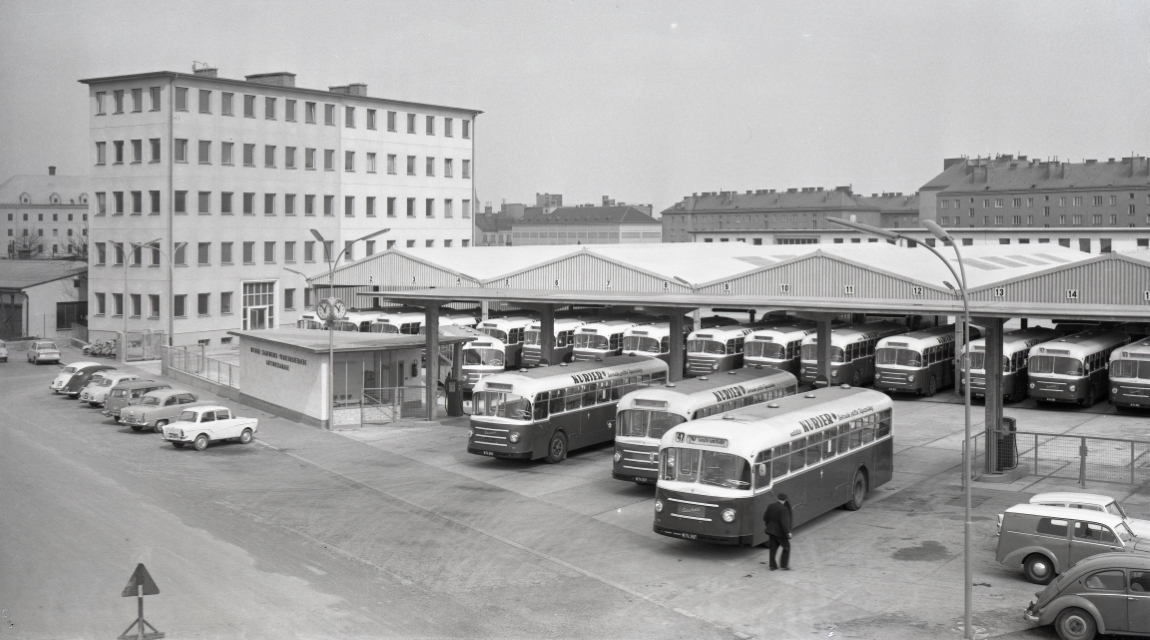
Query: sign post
(140, 585)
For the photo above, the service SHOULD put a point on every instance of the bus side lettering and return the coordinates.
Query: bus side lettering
(818, 422)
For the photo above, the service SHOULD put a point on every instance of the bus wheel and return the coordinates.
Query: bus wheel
(557, 448)
(856, 379)
(931, 387)
(858, 492)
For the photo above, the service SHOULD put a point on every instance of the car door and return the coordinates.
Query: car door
(227, 426)
(1090, 538)
(208, 423)
(1106, 590)
(1137, 602)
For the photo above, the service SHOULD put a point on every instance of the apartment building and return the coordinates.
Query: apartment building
(221, 180)
(44, 216)
(587, 224)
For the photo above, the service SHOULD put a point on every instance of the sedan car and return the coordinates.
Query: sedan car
(200, 425)
(96, 393)
(43, 351)
(84, 374)
(1106, 593)
(3, 351)
(157, 408)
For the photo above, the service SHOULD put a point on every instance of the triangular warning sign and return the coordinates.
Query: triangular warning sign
(140, 578)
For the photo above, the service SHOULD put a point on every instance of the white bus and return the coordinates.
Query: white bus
(645, 415)
(1075, 368)
(920, 362)
(653, 340)
(308, 320)
(563, 346)
(852, 352)
(601, 338)
(824, 449)
(777, 345)
(357, 320)
(1130, 375)
(546, 411)
(406, 322)
(716, 349)
(1015, 353)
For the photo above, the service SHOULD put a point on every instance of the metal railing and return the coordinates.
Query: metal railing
(382, 405)
(194, 362)
(1079, 458)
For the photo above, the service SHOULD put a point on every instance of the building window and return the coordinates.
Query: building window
(430, 167)
(327, 246)
(137, 100)
(428, 243)
(466, 129)
(204, 252)
(181, 99)
(447, 168)
(371, 163)
(309, 159)
(349, 161)
(329, 114)
(289, 252)
(226, 203)
(309, 251)
(269, 204)
(289, 204)
(349, 206)
(349, 117)
(329, 159)
(466, 205)
(289, 157)
(411, 244)
(137, 151)
(269, 108)
(1078, 201)
(411, 123)
(203, 301)
(204, 202)
(1113, 218)
(205, 148)
(101, 253)
(447, 208)
(466, 169)
(205, 101)
(225, 253)
(309, 205)
(249, 155)
(410, 165)
(289, 110)
(119, 151)
(180, 257)
(153, 305)
(226, 153)
(226, 104)
(101, 96)
(391, 163)
(349, 250)
(1017, 202)
(101, 153)
(249, 106)
(249, 253)
(225, 302)
(154, 197)
(179, 306)
(1016, 220)
(371, 118)
(329, 205)
(370, 206)
(154, 94)
(447, 244)
(391, 244)
(309, 112)
(1062, 220)
(118, 304)
(1097, 219)
(411, 207)
(429, 208)
(1004, 241)
(1077, 219)
(391, 207)
(269, 156)
(1098, 201)
(249, 204)
(391, 121)
(269, 252)
(181, 203)
(289, 298)
(1130, 209)
(998, 203)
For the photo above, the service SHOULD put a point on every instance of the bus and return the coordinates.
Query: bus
(482, 357)
(1130, 375)
(461, 320)
(406, 322)
(308, 320)
(920, 362)
(1015, 352)
(509, 330)
(716, 349)
(1074, 368)
(601, 338)
(563, 346)
(852, 352)
(547, 411)
(653, 340)
(777, 345)
(824, 449)
(645, 415)
(355, 320)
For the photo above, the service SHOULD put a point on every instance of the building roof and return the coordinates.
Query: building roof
(493, 222)
(22, 274)
(770, 200)
(316, 341)
(1008, 173)
(620, 214)
(894, 202)
(41, 188)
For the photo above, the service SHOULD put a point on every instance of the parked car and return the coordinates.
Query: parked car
(75, 382)
(201, 425)
(1045, 541)
(156, 409)
(1106, 593)
(1090, 502)
(66, 374)
(3, 351)
(43, 351)
(97, 390)
(127, 393)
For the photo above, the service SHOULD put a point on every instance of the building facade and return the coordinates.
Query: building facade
(44, 216)
(220, 182)
(587, 224)
(42, 298)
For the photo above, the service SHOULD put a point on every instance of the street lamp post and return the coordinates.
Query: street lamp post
(960, 276)
(332, 260)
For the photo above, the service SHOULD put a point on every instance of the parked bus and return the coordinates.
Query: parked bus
(547, 411)
(1074, 368)
(824, 449)
(1130, 375)
(461, 320)
(509, 330)
(645, 415)
(406, 322)
(777, 346)
(601, 338)
(357, 321)
(482, 357)
(653, 340)
(716, 349)
(920, 362)
(1015, 353)
(308, 320)
(563, 346)
(852, 352)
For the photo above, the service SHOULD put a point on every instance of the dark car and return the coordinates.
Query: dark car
(1106, 593)
(82, 377)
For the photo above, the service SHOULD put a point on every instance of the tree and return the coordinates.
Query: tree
(26, 244)
(76, 246)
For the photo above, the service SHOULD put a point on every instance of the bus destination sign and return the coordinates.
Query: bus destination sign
(714, 442)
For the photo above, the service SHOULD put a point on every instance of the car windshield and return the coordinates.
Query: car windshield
(899, 357)
(590, 341)
(1124, 532)
(705, 467)
(498, 334)
(758, 349)
(187, 416)
(811, 353)
(1116, 509)
(490, 357)
(45, 345)
(119, 393)
(501, 405)
(69, 370)
(641, 343)
(644, 423)
(105, 382)
(1130, 369)
(1060, 365)
(383, 327)
(148, 401)
(531, 337)
(713, 347)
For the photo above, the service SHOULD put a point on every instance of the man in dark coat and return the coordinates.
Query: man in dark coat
(778, 521)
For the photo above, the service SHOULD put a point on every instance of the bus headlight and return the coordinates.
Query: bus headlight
(1073, 388)
(1031, 385)
(1114, 390)
(910, 378)
(658, 506)
(728, 515)
(715, 367)
(618, 456)
(470, 433)
(834, 374)
(514, 437)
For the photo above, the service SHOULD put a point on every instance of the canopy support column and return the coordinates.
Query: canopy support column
(823, 322)
(431, 350)
(547, 334)
(993, 365)
(678, 351)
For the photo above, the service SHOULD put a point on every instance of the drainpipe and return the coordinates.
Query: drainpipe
(171, 213)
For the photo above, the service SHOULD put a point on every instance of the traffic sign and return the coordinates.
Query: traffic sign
(140, 585)
(140, 578)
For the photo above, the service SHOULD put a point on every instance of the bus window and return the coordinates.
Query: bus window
(557, 401)
(868, 428)
(781, 456)
(724, 470)
(616, 389)
(588, 395)
(682, 465)
(662, 422)
(763, 470)
(856, 433)
(883, 425)
(798, 456)
(541, 406)
(665, 345)
(574, 396)
(603, 391)
(814, 448)
(829, 440)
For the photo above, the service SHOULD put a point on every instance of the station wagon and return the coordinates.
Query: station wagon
(1045, 541)
(128, 393)
(157, 408)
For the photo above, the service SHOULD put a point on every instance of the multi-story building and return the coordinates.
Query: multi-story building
(224, 179)
(44, 216)
(587, 224)
(493, 229)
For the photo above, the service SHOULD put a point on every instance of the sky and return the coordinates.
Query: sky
(645, 102)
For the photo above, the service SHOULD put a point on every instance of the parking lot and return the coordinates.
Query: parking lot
(396, 531)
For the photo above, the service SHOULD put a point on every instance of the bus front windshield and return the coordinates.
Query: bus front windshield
(489, 357)
(811, 353)
(899, 357)
(644, 423)
(705, 467)
(499, 404)
(531, 337)
(1060, 365)
(772, 350)
(590, 341)
(641, 343)
(1139, 369)
(713, 347)
(498, 334)
(384, 327)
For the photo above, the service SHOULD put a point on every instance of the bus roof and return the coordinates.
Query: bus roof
(561, 324)
(612, 326)
(1019, 339)
(749, 430)
(484, 341)
(693, 393)
(781, 332)
(507, 322)
(1081, 344)
(400, 316)
(531, 381)
(720, 333)
(653, 330)
(1135, 350)
(920, 339)
(859, 332)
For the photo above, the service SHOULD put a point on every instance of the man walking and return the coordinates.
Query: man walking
(778, 521)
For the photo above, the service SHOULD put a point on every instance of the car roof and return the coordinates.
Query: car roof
(1100, 517)
(137, 384)
(1117, 560)
(207, 407)
(1071, 496)
(163, 393)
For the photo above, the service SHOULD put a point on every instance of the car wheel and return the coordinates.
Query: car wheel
(201, 442)
(136, 428)
(931, 387)
(178, 445)
(858, 492)
(557, 448)
(246, 437)
(1038, 569)
(159, 428)
(1075, 624)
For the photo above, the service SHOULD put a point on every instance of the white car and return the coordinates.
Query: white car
(3, 351)
(97, 390)
(64, 376)
(43, 351)
(201, 425)
(1090, 502)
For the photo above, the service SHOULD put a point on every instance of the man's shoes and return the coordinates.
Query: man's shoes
(774, 568)
(786, 568)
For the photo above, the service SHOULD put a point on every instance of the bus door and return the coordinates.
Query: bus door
(796, 486)
(597, 423)
(763, 496)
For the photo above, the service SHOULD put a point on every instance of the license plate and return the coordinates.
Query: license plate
(691, 510)
(489, 453)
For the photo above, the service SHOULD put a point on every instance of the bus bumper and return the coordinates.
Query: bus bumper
(704, 537)
(1127, 396)
(897, 382)
(508, 455)
(1050, 391)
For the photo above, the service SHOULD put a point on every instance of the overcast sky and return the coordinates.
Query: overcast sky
(642, 101)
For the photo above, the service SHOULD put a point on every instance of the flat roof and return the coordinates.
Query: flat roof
(316, 340)
(21, 274)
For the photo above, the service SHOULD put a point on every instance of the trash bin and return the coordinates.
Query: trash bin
(454, 397)
(1007, 445)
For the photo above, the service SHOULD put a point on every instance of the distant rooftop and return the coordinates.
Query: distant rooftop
(40, 189)
(1011, 173)
(619, 214)
(801, 199)
(21, 274)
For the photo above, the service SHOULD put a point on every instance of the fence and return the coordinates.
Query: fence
(382, 405)
(143, 345)
(194, 362)
(1071, 457)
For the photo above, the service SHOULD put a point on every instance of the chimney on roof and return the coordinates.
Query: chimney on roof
(277, 79)
(205, 72)
(1055, 170)
(355, 89)
(980, 173)
(51, 170)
